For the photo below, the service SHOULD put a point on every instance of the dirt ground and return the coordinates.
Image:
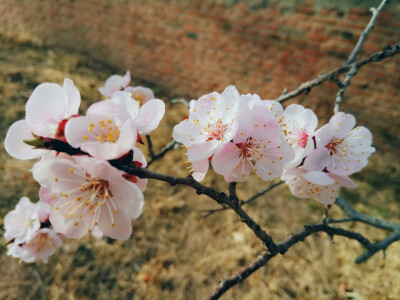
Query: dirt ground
(173, 252)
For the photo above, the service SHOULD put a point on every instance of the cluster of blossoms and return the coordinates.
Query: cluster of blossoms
(80, 194)
(242, 133)
(238, 134)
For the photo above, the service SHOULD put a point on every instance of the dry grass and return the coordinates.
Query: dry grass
(174, 254)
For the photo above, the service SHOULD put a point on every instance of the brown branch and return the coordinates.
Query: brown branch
(165, 150)
(150, 146)
(282, 248)
(354, 67)
(305, 87)
(209, 212)
(382, 245)
(364, 218)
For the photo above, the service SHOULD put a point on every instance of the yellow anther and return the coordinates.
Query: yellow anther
(85, 137)
(56, 179)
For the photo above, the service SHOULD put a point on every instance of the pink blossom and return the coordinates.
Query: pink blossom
(341, 149)
(21, 223)
(258, 145)
(140, 93)
(106, 132)
(49, 106)
(115, 83)
(298, 125)
(211, 124)
(321, 186)
(42, 245)
(89, 196)
(146, 117)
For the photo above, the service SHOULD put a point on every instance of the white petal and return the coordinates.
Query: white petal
(150, 115)
(201, 151)
(200, 169)
(342, 124)
(317, 177)
(125, 100)
(317, 160)
(14, 145)
(74, 97)
(226, 159)
(119, 227)
(47, 106)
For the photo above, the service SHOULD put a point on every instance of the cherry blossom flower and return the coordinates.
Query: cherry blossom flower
(258, 145)
(115, 83)
(47, 111)
(299, 124)
(42, 245)
(321, 186)
(21, 223)
(341, 149)
(146, 117)
(89, 196)
(140, 93)
(211, 124)
(106, 132)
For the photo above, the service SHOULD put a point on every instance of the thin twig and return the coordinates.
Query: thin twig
(354, 66)
(364, 218)
(171, 145)
(209, 212)
(150, 146)
(305, 87)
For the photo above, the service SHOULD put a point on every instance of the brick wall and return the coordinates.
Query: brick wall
(194, 47)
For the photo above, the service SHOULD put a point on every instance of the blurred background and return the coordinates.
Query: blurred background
(186, 49)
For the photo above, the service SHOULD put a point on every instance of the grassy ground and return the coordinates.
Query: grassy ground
(174, 254)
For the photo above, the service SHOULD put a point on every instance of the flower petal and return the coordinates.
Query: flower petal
(14, 144)
(150, 116)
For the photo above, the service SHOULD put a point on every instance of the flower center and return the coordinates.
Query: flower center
(88, 199)
(41, 242)
(216, 131)
(105, 131)
(302, 139)
(249, 149)
(336, 145)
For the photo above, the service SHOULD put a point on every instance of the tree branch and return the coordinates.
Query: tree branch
(165, 150)
(282, 248)
(364, 218)
(382, 245)
(354, 67)
(251, 199)
(388, 51)
(150, 146)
